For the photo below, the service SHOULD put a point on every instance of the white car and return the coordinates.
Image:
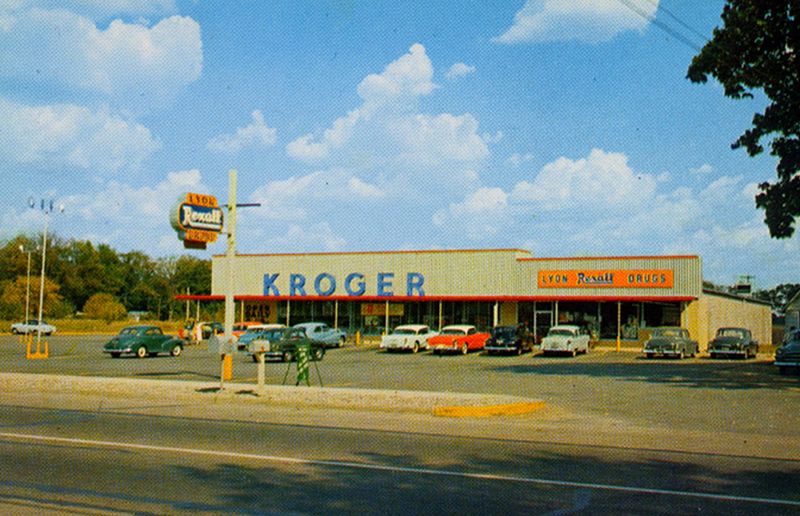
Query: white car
(411, 337)
(33, 326)
(566, 338)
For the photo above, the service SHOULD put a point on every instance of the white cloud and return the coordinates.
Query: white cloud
(518, 159)
(433, 139)
(387, 127)
(702, 169)
(66, 134)
(256, 134)
(459, 70)
(313, 238)
(481, 214)
(293, 198)
(591, 21)
(601, 179)
(128, 61)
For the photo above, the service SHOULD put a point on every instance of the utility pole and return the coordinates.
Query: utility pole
(226, 373)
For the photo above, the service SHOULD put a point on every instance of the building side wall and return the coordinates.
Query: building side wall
(722, 311)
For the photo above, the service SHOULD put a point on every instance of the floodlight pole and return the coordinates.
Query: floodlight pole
(27, 285)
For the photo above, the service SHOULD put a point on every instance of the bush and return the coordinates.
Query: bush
(105, 307)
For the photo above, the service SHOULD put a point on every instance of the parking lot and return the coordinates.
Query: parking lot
(735, 395)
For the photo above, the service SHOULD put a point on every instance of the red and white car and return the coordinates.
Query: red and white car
(457, 338)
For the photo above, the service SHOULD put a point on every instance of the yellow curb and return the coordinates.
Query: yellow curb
(489, 410)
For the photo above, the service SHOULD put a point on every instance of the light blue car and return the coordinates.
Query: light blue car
(321, 332)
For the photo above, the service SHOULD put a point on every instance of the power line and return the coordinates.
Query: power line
(661, 25)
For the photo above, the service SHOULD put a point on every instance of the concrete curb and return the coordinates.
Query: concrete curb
(110, 392)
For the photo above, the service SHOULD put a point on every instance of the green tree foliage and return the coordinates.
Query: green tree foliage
(756, 49)
(105, 307)
(77, 270)
(779, 296)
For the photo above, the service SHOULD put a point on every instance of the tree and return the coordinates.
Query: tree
(105, 307)
(756, 49)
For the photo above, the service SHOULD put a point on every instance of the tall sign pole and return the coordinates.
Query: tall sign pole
(226, 372)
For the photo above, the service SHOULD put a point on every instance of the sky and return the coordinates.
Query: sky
(562, 128)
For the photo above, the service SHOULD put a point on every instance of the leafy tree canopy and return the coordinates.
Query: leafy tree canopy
(756, 49)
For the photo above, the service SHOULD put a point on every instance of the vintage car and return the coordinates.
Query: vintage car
(240, 328)
(409, 337)
(509, 339)
(143, 341)
(33, 326)
(257, 331)
(787, 357)
(670, 341)
(457, 338)
(283, 345)
(568, 339)
(321, 332)
(733, 342)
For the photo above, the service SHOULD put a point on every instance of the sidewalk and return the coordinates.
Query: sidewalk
(381, 410)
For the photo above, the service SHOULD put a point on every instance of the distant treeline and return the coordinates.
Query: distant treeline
(78, 272)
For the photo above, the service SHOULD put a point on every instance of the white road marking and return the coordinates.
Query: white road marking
(398, 469)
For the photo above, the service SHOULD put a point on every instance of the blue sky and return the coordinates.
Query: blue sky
(564, 128)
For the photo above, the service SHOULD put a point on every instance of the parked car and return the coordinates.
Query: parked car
(458, 338)
(509, 339)
(257, 331)
(407, 337)
(787, 357)
(142, 341)
(566, 338)
(736, 342)
(32, 326)
(240, 328)
(283, 345)
(670, 341)
(321, 332)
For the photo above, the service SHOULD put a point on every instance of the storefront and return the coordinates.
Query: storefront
(618, 299)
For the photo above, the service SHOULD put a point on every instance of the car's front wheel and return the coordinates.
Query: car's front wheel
(415, 348)
(141, 352)
(288, 356)
(176, 350)
(318, 353)
(464, 349)
(14, 331)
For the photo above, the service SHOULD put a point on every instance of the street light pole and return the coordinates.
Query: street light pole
(46, 208)
(27, 285)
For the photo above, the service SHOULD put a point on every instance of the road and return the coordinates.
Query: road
(91, 461)
(620, 435)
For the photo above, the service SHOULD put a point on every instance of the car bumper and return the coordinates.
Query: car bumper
(731, 352)
(787, 363)
(500, 349)
(394, 346)
(122, 350)
(445, 347)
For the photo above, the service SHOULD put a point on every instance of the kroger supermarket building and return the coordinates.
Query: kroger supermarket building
(618, 298)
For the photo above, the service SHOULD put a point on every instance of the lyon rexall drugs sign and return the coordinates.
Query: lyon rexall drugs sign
(198, 219)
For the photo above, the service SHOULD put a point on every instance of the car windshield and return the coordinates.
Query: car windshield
(403, 331)
(453, 331)
(666, 332)
(562, 332)
(729, 332)
(504, 332)
(253, 331)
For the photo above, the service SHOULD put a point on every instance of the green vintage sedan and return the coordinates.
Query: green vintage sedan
(143, 341)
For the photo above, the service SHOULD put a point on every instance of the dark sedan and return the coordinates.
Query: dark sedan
(670, 341)
(787, 357)
(733, 342)
(143, 341)
(509, 339)
(285, 347)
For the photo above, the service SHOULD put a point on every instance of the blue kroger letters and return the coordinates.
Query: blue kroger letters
(355, 284)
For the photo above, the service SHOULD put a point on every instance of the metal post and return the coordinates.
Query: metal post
(619, 325)
(27, 285)
(386, 313)
(494, 313)
(230, 307)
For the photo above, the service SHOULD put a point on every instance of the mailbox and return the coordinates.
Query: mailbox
(221, 344)
(258, 346)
